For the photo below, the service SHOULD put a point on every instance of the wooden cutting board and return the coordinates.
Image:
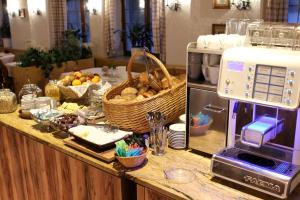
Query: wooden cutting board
(104, 155)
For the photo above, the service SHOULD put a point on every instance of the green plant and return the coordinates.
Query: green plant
(71, 49)
(39, 58)
(140, 36)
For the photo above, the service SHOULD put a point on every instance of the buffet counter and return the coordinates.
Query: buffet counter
(37, 165)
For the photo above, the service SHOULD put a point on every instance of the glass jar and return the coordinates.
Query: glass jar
(52, 90)
(8, 101)
(30, 90)
(95, 100)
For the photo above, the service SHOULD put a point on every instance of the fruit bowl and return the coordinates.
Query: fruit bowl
(76, 84)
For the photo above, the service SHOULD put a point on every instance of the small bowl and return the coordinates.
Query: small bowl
(133, 161)
(200, 130)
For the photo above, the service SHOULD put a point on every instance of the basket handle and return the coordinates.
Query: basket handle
(149, 55)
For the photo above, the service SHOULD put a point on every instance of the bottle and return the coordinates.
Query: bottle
(52, 90)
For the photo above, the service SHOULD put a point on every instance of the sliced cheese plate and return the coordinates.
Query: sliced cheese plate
(98, 136)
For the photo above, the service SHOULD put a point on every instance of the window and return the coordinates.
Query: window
(135, 13)
(78, 18)
(294, 9)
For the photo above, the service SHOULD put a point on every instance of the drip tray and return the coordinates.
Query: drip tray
(256, 160)
(271, 176)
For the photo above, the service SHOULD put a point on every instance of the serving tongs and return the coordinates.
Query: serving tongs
(153, 82)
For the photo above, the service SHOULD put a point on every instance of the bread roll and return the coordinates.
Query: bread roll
(117, 100)
(142, 90)
(129, 90)
(165, 83)
(143, 78)
(140, 97)
(128, 97)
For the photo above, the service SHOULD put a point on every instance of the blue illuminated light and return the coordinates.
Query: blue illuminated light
(235, 66)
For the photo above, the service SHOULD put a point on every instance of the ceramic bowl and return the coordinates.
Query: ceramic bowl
(200, 130)
(133, 161)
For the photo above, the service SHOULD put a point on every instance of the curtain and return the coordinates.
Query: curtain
(113, 27)
(276, 10)
(57, 20)
(159, 28)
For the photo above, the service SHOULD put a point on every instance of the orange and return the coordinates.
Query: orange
(95, 79)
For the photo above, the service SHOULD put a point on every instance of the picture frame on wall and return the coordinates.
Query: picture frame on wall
(218, 29)
(221, 4)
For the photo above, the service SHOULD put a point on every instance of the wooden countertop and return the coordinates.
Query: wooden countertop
(151, 175)
(54, 140)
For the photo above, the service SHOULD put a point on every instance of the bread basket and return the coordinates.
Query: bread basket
(132, 115)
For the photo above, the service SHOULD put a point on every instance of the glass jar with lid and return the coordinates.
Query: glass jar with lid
(52, 90)
(30, 90)
(95, 100)
(8, 101)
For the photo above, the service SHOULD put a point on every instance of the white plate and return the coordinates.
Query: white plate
(179, 127)
(98, 135)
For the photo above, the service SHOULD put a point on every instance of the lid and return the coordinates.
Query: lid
(177, 127)
(54, 82)
(179, 175)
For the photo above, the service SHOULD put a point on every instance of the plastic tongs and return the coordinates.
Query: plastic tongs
(152, 81)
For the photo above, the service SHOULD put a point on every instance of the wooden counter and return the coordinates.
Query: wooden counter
(36, 165)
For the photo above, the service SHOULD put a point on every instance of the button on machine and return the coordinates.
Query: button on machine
(291, 82)
(227, 82)
(289, 91)
(292, 73)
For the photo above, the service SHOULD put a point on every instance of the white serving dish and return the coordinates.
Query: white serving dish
(98, 135)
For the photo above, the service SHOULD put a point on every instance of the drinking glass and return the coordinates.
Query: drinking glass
(158, 135)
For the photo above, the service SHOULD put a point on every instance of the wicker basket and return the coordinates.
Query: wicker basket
(132, 115)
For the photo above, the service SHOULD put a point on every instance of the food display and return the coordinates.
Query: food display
(80, 78)
(44, 114)
(98, 135)
(65, 122)
(8, 101)
(70, 107)
(52, 90)
(147, 86)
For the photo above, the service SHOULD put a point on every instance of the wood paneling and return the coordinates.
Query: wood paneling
(144, 193)
(32, 170)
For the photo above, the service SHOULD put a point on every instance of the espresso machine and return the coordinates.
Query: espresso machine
(263, 136)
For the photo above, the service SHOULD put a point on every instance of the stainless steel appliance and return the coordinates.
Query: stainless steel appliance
(202, 98)
(263, 140)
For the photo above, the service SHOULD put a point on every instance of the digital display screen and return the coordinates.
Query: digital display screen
(235, 66)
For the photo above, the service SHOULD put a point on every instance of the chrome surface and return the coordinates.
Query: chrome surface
(275, 179)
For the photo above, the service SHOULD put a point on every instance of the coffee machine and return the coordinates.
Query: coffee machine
(263, 136)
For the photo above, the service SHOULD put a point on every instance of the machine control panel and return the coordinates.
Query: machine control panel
(265, 76)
